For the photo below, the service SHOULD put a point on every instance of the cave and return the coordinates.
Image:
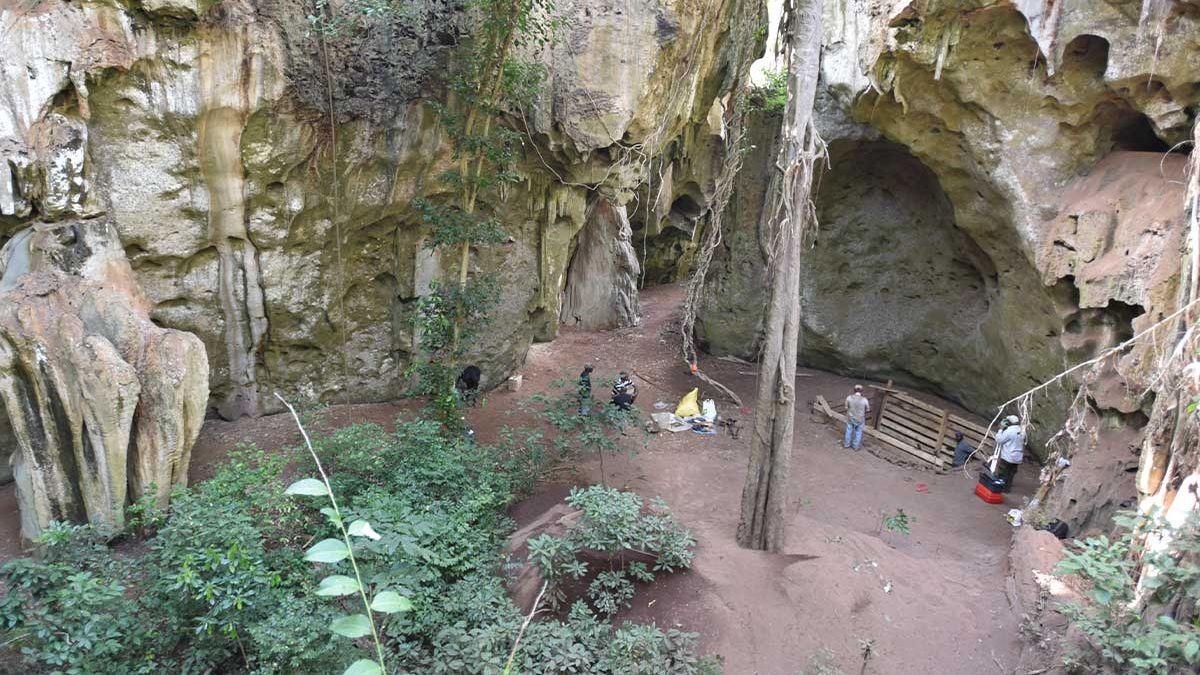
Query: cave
(892, 287)
(304, 227)
(665, 248)
(1135, 133)
(1086, 54)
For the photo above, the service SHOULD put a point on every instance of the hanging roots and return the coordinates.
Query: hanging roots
(735, 133)
(712, 239)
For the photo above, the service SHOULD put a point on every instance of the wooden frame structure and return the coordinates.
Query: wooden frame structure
(919, 429)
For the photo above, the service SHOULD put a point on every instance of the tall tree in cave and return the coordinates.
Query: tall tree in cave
(764, 497)
(489, 79)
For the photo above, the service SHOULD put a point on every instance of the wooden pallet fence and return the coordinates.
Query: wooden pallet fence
(883, 436)
(920, 429)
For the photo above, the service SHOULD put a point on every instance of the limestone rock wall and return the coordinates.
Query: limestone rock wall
(102, 404)
(955, 251)
(202, 131)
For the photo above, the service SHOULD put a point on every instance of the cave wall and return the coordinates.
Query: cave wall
(1003, 109)
(201, 131)
(892, 287)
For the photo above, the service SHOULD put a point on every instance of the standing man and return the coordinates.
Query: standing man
(585, 390)
(1010, 444)
(857, 407)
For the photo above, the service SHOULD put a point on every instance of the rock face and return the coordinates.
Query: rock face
(104, 406)
(957, 251)
(202, 131)
(602, 283)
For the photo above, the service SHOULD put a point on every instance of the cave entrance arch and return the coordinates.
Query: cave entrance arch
(893, 288)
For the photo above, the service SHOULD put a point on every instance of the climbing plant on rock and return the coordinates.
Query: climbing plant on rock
(764, 497)
(489, 79)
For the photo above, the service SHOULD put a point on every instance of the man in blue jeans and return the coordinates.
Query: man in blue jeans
(857, 406)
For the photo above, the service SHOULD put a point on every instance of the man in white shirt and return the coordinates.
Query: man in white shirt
(857, 407)
(1010, 442)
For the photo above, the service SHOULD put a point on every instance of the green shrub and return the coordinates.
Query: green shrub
(614, 521)
(610, 592)
(210, 576)
(771, 96)
(295, 638)
(1165, 637)
(68, 610)
(221, 584)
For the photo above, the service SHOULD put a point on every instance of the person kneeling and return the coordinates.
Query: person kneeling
(624, 392)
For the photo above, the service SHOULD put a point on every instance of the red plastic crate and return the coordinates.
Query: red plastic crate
(987, 495)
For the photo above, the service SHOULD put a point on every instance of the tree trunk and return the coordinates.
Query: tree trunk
(765, 496)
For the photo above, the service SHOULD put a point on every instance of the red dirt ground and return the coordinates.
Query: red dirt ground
(931, 601)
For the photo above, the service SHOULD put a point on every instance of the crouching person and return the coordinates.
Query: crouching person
(624, 391)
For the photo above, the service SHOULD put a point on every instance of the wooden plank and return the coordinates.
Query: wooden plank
(919, 417)
(937, 411)
(893, 429)
(972, 437)
(882, 404)
(823, 405)
(920, 440)
(941, 434)
(931, 418)
(917, 422)
(955, 419)
(973, 440)
(924, 435)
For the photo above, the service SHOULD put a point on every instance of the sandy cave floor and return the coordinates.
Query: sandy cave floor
(929, 602)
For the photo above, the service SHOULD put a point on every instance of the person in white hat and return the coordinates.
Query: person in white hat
(1010, 443)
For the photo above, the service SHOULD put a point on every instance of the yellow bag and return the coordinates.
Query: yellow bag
(689, 405)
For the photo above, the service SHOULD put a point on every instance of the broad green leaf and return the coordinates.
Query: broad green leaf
(337, 585)
(327, 551)
(363, 667)
(308, 486)
(361, 528)
(1190, 650)
(390, 602)
(331, 514)
(353, 626)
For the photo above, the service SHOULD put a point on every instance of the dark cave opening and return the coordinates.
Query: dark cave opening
(1136, 133)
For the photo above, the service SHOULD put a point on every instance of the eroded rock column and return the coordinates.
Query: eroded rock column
(601, 289)
(230, 83)
(104, 404)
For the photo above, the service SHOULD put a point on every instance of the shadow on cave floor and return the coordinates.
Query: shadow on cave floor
(929, 599)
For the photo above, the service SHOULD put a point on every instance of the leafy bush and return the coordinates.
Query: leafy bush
(221, 584)
(771, 96)
(68, 610)
(611, 592)
(614, 521)
(295, 638)
(898, 522)
(1164, 637)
